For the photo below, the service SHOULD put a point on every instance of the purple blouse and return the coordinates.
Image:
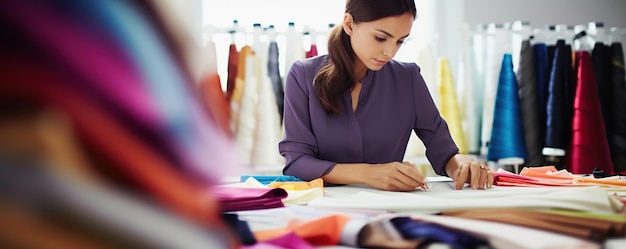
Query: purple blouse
(393, 101)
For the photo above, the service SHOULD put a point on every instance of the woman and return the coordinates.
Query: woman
(349, 114)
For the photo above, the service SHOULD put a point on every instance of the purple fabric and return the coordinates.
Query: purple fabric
(240, 199)
(392, 102)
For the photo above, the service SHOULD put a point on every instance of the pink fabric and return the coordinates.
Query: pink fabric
(240, 199)
(94, 57)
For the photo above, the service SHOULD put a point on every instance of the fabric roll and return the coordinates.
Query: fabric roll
(589, 149)
(529, 104)
(617, 135)
(507, 134)
(449, 109)
(542, 72)
(555, 107)
(601, 59)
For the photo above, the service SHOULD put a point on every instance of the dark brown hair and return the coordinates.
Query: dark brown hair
(337, 76)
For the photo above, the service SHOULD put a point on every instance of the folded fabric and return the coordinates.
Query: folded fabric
(291, 185)
(547, 172)
(266, 180)
(297, 192)
(240, 198)
(505, 178)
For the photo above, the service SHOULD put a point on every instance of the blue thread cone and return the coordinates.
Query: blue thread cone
(507, 133)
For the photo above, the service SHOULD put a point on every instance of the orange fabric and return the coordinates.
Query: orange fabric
(547, 172)
(316, 183)
(245, 52)
(216, 101)
(324, 231)
(592, 181)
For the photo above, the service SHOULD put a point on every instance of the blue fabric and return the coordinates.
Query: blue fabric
(266, 180)
(555, 119)
(507, 134)
(430, 232)
(240, 227)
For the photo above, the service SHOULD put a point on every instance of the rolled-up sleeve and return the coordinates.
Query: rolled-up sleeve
(299, 146)
(431, 128)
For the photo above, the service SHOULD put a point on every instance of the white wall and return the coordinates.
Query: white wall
(545, 12)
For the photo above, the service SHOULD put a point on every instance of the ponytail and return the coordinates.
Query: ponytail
(337, 75)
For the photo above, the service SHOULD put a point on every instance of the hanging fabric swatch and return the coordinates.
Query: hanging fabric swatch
(268, 126)
(529, 102)
(312, 35)
(233, 62)
(449, 105)
(589, 149)
(274, 73)
(507, 135)
(213, 95)
(243, 105)
(294, 49)
(617, 135)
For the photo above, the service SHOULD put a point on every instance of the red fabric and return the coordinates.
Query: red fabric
(233, 61)
(324, 231)
(216, 101)
(312, 52)
(589, 148)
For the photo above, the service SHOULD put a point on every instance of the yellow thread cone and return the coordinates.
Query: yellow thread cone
(449, 105)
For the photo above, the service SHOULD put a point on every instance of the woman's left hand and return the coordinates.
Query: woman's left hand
(476, 174)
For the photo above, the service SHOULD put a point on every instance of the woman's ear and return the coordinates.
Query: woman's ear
(348, 23)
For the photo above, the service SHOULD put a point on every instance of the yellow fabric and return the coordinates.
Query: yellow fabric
(241, 72)
(235, 101)
(449, 105)
(316, 183)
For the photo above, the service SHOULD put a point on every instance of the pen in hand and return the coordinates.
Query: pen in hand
(424, 186)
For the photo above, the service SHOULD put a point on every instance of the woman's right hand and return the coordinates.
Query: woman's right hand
(394, 176)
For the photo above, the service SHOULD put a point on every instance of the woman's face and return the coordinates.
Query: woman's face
(376, 42)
